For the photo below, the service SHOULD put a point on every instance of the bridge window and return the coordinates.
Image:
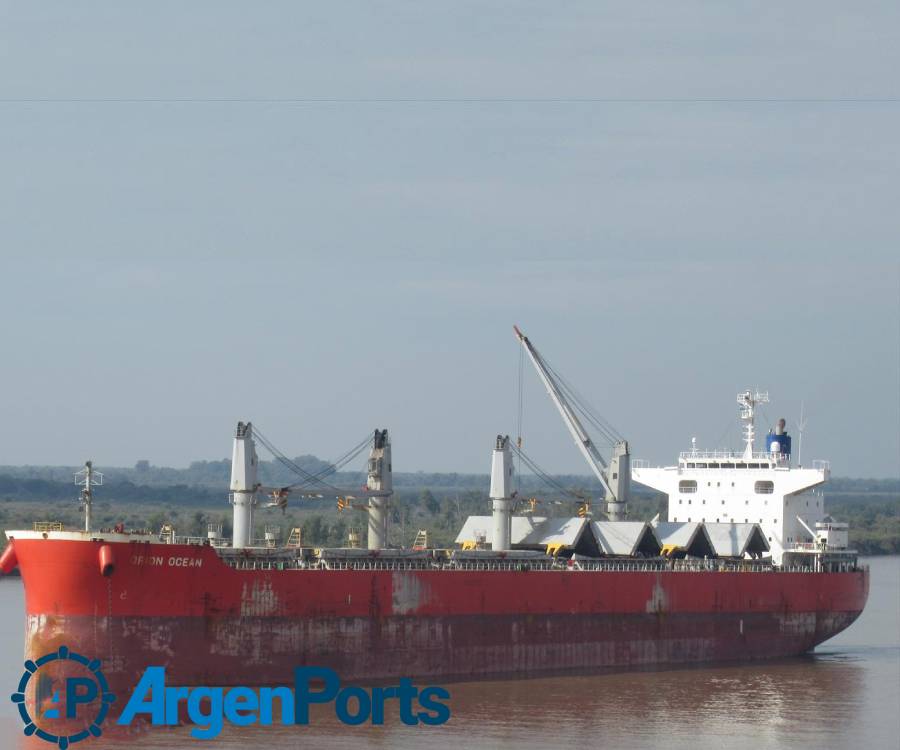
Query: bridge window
(687, 485)
(764, 487)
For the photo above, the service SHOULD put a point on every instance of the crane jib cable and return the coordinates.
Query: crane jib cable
(310, 478)
(334, 466)
(583, 406)
(521, 411)
(344, 459)
(288, 464)
(546, 478)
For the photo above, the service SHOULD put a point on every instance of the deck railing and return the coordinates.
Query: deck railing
(576, 566)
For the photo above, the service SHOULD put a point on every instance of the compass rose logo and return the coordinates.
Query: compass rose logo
(79, 692)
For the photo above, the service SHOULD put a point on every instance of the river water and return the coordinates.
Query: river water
(846, 695)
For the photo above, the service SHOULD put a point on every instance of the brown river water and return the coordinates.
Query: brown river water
(845, 695)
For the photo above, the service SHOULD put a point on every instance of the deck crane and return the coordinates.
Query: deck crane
(245, 488)
(614, 476)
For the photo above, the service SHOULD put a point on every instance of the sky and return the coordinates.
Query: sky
(326, 218)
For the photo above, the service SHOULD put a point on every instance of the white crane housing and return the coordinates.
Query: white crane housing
(379, 480)
(243, 485)
(501, 493)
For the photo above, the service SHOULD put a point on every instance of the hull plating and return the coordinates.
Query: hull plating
(208, 623)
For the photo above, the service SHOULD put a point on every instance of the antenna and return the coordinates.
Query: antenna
(87, 478)
(801, 425)
(747, 402)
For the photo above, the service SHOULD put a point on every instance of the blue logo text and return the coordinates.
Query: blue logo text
(210, 707)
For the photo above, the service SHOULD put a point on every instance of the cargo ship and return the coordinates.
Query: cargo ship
(747, 566)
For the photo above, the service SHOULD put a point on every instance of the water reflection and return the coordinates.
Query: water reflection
(791, 703)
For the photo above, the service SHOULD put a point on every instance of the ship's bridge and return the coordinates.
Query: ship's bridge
(718, 487)
(724, 459)
(746, 486)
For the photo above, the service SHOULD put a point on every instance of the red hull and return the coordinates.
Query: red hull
(208, 623)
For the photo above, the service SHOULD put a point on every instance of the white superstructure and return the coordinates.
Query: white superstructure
(750, 486)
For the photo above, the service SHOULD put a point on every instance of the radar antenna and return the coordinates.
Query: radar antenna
(87, 479)
(801, 425)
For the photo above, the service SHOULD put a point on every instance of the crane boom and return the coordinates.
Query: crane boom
(615, 474)
(579, 434)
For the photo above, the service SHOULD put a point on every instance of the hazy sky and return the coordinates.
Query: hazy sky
(326, 217)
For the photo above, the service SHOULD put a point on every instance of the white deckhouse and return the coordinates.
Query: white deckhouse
(750, 486)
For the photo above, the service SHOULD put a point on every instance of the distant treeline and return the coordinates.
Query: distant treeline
(145, 495)
(217, 474)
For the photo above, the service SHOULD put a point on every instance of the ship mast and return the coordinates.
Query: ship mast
(748, 401)
(87, 479)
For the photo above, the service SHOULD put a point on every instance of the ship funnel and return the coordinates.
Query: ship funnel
(243, 484)
(501, 492)
(380, 480)
(778, 443)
